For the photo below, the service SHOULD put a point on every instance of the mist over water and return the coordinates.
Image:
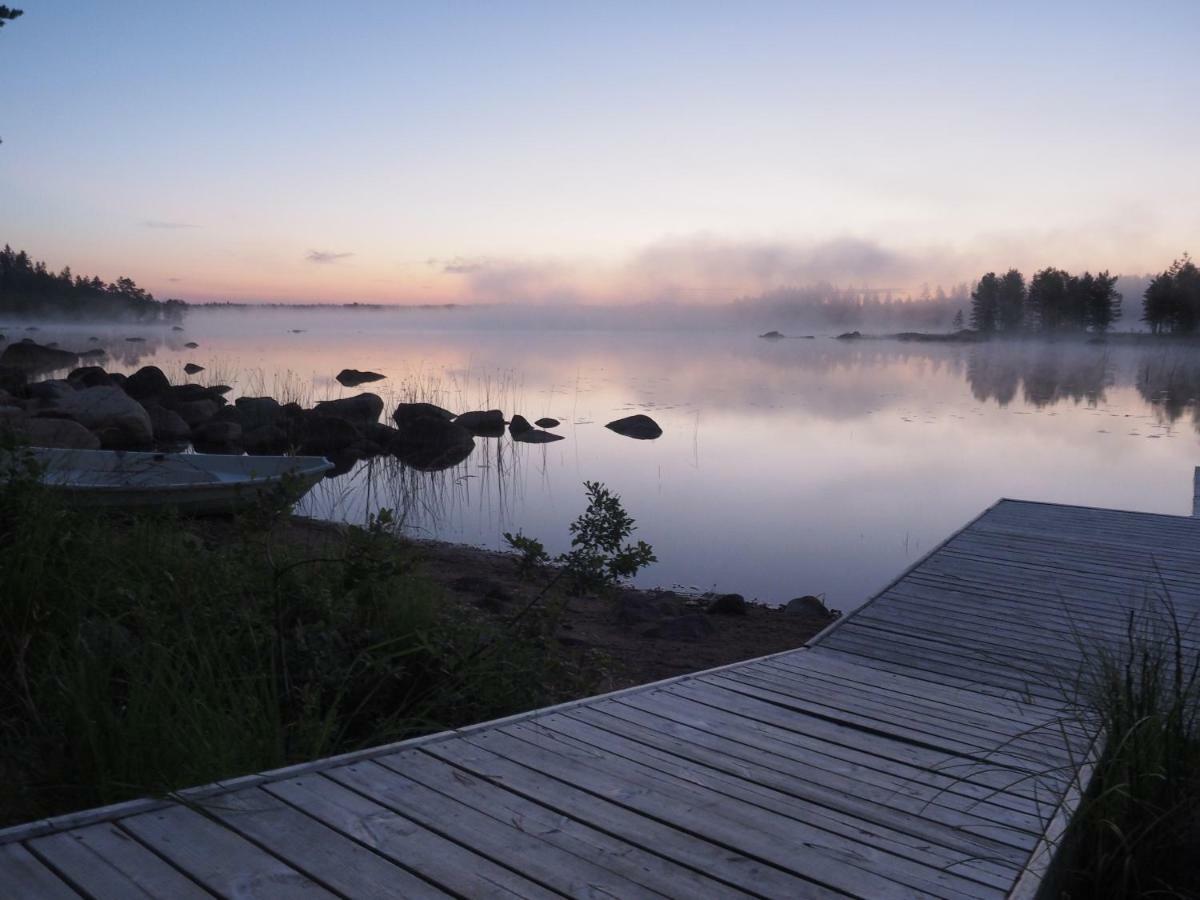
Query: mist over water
(785, 468)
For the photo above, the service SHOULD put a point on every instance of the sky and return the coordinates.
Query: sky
(594, 152)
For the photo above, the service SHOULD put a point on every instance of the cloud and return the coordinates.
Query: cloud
(159, 223)
(325, 256)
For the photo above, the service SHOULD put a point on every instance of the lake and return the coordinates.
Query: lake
(785, 468)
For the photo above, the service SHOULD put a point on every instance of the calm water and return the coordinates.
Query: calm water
(800, 466)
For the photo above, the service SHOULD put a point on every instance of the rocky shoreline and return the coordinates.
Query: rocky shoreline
(94, 409)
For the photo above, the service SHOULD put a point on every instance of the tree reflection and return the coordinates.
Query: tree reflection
(1046, 374)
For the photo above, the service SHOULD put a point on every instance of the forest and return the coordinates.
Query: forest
(29, 289)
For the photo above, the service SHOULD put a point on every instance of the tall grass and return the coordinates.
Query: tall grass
(1137, 831)
(144, 654)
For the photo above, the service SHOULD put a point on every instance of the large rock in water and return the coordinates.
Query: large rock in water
(519, 425)
(484, 423)
(362, 409)
(533, 436)
(256, 412)
(119, 421)
(320, 435)
(407, 413)
(31, 357)
(146, 382)
(639, 426)
(432, 444)
(353, 377)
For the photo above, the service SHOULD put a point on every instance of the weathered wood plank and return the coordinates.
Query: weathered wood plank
(108, 864)
(23, 875)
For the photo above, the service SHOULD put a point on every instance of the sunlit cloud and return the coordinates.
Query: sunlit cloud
(325, 256)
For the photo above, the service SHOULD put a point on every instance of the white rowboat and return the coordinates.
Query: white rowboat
(193, 483)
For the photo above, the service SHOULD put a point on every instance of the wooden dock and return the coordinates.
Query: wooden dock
(921, 747)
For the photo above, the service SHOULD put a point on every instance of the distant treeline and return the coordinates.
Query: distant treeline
(28, 288)
(1054, 301)
(1172, 299)
(824, 305)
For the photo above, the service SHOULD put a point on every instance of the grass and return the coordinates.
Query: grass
(1138, 827)
(144, 654)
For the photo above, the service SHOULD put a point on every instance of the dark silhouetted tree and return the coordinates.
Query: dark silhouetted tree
(1171, 302)
(1103, 302)
(1010, 301)
(957, 324)
(7, 14)
(984, 301)
(1048, 300)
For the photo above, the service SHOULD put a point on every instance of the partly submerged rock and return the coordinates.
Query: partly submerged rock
(533, 436)
(432, 443)
(31, 357)
(519, 425)
(407, 413)
(850, 336)
(192, 368)
(547, 422)
(256, 412)
(148, 381)
(353, 377)
(361, 409)
(191, 345)
(483, 423)
(320, 435)
(772, 335)
(639, 426)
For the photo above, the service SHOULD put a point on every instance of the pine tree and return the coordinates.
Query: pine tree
(984, 301)
(1011, 301)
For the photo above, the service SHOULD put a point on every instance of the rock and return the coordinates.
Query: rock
(641, 427)
(185, 393)
(62, 433)
(689, 627)
(194, 412)
(192, 368)
(483, 423)
(320, 435)
(353, 377)
(519, 425)
(146, 382)
(385, 436)
(93, 339)
(191, 345)
(432, 444)
(808, 605)
(169, 427)
(256, 412)
(218, 437)
(640, 607)
(547, 422)
(90, 376)
(220, 390)
(136, 340)
(850, 336)
(177, 328)
(728, 605)
(361, 409)
(265, 440)
(411, 412)
(533, 436)
(122, 422)
(771, 335)
(13, 380)
(48, 391)
(32, 357)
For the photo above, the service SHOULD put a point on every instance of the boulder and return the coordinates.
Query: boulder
(353, 377)
(265, 440)
(320, 435)
(184, 393)
(533, 436)
(411, 412)
(384, 436)
(191, 345)
(90, 376)
(13, 380)
(519, 425)
(62, 433)
(639, 426)
(169, 427)
(689, 627)
(808, 605)
(633, 608)
(849, 336)
(136, 340)
(547, 422)
(361, 409)
(119, 420)
(192, 368)
(255, 412)
(31, 357)
(432, 444)
(483, 423)
(218, 437)
(728, 605)
(194, 412)
(146, 382)
(177, 328)
(771, 336)
(49, 391)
